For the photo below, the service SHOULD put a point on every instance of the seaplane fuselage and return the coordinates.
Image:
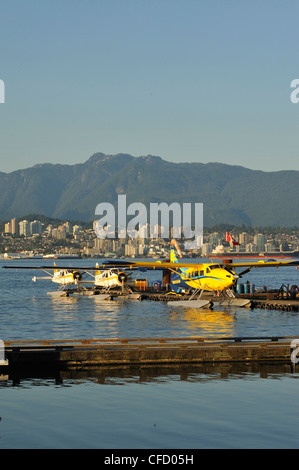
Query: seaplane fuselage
(64, 277)
(210, 277)
(109, 278)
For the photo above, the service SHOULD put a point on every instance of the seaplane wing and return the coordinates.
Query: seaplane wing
(155, 265)
(204, 276)
(82, 269)
(261, 264)
(161, 265)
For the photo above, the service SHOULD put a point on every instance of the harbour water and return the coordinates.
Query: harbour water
(148, 408)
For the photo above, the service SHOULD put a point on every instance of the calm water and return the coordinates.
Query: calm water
(148, 408)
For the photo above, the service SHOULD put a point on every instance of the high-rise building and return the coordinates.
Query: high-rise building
(244, 238)
(35, 227)
(13, 226)
(259, 240)
(68, 227)
(24, 228)
(77, 229)
(215, 239)
(206, 248)
(7, 227)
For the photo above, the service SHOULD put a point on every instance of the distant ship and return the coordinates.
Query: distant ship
(58, 256)
(221, 252)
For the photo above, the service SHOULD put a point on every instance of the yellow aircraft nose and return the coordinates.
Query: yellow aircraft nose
(220, 279)
(226, 279)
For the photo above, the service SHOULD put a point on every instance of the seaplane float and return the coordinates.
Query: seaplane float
(193, 279)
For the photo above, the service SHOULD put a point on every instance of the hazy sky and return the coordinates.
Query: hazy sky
(188, 80)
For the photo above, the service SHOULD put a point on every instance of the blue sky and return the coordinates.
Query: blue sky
(188, 80)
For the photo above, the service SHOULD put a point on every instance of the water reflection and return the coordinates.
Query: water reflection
(207, 321)
(125, 318)
(59, 302)
(147, 374)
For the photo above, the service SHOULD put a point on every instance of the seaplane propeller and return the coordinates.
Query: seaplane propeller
(244, 272)
(122, 277)
(77, 276)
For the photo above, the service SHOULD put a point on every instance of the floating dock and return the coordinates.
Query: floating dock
(207, 300)
(93, 353)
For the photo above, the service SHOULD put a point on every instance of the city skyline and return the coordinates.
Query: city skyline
(25, 238)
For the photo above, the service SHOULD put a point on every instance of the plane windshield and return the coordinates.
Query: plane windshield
(226, 269)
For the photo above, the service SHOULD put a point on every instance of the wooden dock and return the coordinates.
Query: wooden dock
(287, 305)
(269, 300)
(92, 353)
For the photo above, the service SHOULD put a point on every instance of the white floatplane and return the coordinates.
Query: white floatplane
(110, 278)
(62, 276)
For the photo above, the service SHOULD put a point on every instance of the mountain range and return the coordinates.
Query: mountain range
(230, 194)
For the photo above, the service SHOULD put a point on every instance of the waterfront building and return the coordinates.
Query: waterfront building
(130, 250)
(215, 239)
(251, 248)
(142, 250)
(269, 247)
(243, 238)
(259, 240)
(104, 245)
(206, 248)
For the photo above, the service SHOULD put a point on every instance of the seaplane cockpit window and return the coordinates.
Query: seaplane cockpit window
(226, 269)
(215, 266)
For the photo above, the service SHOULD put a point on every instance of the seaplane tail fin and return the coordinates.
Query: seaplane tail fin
(97, 272)
(173, 251)
(173, 257)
